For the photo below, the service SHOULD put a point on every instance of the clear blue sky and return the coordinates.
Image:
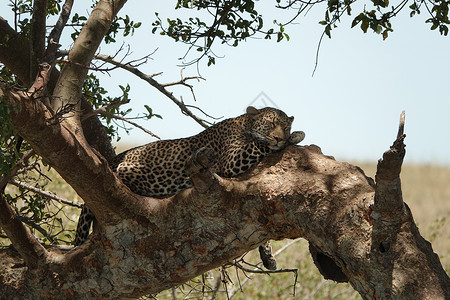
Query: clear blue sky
(350, 107)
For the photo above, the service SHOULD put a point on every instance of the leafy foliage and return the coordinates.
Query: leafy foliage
(42, 215)
(33, 209)
(439, 15)
(124, 24)
(230, 22)
(378, 18)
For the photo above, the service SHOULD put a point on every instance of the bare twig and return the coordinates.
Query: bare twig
(37, 227)
(316, 289)
(104, 109)
(5, 178)
(44, 193)
(216, 288)
(158, 86)
(201, 110)
(62, 113)
(113, 116)
(259, 270)
(183, 80)
(110, 59)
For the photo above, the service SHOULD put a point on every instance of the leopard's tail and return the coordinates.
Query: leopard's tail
(84, 225)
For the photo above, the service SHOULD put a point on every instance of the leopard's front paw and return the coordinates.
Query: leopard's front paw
(296, 137)
(202, 159)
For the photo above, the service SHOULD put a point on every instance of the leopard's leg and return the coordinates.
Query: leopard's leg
(202, 159)
(199, 169)
(296, 137)
(267, 258)
(84, 225)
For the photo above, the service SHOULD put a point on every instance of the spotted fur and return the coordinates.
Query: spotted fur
(158, 169)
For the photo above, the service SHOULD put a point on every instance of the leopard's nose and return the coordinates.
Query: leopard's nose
(279, 139)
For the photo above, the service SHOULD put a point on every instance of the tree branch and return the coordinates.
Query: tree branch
(38, 31)
(44, 193)
(70, 82)
(53, 38)
(160, 87)
(113, 116)
(257, 270)
(26, 244)
(15, 54)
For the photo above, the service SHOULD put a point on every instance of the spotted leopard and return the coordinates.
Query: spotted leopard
(158, 169)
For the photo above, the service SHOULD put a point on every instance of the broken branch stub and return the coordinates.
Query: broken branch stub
(406, 266)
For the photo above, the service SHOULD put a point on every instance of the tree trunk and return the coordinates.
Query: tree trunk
(147, 245)
(358, 231)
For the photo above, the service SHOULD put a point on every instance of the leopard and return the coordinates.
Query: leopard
(160, 169)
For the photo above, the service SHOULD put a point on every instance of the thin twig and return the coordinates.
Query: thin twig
(104, 109)
(44, 193)
(258, 269)
(113, 116)
(160, 87)
(5, 179)
(37, 227)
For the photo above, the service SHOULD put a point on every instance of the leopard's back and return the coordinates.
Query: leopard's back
(158, 169)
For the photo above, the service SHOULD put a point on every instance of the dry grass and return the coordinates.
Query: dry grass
(426, 190)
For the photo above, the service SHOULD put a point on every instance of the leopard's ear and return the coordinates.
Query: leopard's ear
(291, 119)
(252, 111)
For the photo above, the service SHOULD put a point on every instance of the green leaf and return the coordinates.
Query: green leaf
(279, 36)
(328, 30)
(365, 25)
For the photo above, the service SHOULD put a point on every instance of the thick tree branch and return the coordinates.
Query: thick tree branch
(295, 193)
(68, 88)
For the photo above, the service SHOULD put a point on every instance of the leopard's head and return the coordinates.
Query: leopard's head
(271, 126)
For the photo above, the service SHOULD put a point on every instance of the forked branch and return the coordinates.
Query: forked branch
(160, 87)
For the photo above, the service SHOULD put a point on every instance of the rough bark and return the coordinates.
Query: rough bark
(146, 245)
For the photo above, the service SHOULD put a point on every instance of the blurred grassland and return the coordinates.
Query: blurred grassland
(426, 189)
